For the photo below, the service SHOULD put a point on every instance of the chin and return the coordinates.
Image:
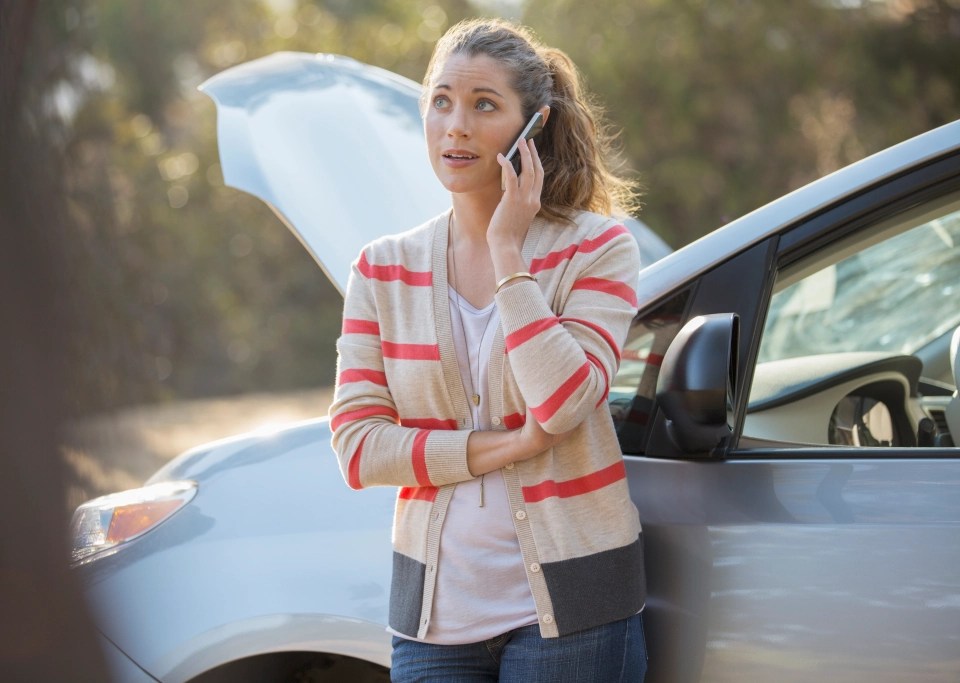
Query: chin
(457, 185)
(465, 185)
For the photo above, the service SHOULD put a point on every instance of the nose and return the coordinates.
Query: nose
(458, 124)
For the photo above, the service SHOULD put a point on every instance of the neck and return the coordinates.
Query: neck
(472, 214)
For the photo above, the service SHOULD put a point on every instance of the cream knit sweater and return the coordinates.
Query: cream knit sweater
(400, 415)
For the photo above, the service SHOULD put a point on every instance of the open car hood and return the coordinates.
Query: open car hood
(333, 146)
(336, 148)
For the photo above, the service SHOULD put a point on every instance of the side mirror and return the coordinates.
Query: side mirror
(697, 384)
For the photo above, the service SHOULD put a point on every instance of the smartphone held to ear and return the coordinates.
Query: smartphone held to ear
(533, 127)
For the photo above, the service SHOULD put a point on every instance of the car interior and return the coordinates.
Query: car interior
(837, 361)
(856, 347)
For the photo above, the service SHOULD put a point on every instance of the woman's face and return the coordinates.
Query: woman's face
(472, 114)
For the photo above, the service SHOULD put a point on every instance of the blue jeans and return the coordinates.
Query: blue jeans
(605, 654)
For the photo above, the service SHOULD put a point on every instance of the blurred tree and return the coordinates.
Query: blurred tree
(45, 631)
(201, 289)
(728, 104)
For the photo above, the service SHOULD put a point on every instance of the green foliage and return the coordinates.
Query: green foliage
(728, 104)
(195, 289)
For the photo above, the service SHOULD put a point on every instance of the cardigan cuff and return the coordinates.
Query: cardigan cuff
(446, 456)
(520, 304)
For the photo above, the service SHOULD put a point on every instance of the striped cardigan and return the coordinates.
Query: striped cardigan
(400, 414)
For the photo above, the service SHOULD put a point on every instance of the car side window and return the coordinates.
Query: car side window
(633, 390)
(855, 346)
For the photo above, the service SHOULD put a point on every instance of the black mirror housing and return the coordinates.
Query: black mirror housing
(697, 384)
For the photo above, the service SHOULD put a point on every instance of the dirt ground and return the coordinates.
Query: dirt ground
(121, 450)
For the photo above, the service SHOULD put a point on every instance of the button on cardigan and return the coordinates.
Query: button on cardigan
(400, 414)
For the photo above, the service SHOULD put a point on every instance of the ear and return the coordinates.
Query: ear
(545, 111)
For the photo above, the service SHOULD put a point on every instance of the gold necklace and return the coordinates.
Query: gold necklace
(474, 394)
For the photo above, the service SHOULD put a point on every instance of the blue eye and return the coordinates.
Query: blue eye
(439, 102)
(486, 105)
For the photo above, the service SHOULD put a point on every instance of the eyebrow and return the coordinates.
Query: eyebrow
(444, 86)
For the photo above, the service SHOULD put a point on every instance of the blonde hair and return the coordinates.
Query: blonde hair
(576, 146)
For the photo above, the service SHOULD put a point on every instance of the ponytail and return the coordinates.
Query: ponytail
(577, 150)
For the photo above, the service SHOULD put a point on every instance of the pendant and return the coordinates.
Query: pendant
(476, 399)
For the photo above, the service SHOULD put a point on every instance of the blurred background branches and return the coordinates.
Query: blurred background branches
(191, 289)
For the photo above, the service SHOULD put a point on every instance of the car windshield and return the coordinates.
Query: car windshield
(894, 296)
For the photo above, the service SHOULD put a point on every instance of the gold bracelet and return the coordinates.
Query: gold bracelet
(504, 280)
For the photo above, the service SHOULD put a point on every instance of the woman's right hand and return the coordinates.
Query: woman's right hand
(518, 206)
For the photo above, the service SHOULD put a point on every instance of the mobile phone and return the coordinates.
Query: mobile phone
(533, 127)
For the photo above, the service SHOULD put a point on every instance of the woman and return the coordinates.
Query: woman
(474, 363)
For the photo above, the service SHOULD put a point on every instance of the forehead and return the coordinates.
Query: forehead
(470, 72)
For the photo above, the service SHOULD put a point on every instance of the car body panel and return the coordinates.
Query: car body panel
(354, 638)
(767, 569)
(120, 667)
(770, 557)
(296, 560)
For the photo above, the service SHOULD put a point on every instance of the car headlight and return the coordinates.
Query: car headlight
(107, 522)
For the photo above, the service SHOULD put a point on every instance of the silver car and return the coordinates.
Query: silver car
(786, 405)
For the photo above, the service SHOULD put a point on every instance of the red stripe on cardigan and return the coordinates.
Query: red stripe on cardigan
(607, 337)
(606, 380)
(548, 408)
(514, 420)
(410, 351)
(427, 493)
(555, 258)
(575, 487)
(528, 332)
(353, 469)
(419, 457)
(391, 273)
(428, 423)
(361, 413)
(612, 287)
(356, 326)
(362, 375)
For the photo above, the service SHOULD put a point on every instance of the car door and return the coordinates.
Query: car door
(818, 536)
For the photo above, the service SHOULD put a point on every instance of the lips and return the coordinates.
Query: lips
(459, 155)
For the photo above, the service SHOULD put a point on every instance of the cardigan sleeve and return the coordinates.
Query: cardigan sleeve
(564, 361)
(371, 445)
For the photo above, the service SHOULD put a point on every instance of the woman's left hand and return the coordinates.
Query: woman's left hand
(518, 206)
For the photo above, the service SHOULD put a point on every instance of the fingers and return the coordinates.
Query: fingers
(538, 439)
(508, 177)
(526, 162)
(520, 201)
(531, 169)
(537, 166)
